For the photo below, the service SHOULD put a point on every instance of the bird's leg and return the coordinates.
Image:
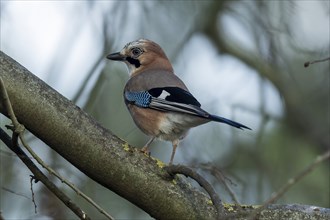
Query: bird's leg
(145, 149)
(174, 144)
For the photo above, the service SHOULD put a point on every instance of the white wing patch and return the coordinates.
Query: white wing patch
(164, 94)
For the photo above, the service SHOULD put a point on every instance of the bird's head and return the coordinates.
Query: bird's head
(141, 55)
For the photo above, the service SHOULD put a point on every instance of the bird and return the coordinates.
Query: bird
(159, 102)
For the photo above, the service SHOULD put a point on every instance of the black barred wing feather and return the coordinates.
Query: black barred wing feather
(164, 105)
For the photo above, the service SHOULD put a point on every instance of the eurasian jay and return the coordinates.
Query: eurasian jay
(158, 101)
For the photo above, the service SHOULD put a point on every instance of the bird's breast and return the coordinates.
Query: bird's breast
(147, 120)
(163, 125)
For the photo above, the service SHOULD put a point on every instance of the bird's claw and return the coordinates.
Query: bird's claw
(145, 151)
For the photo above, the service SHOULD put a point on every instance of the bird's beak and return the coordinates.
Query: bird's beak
(116, 56)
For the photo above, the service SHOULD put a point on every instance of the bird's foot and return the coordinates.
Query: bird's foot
(145, 150)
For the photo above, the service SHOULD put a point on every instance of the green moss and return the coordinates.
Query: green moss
(233, 208)
(160, 163)
(126, 147)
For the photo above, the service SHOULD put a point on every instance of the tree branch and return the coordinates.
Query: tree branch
(307, 63)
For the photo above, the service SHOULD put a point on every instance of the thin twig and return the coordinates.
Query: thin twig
(188, 172)
(292, 181)
(15, 193)
(32, 192)
(221, 178)
(306, 64)
(295, 179)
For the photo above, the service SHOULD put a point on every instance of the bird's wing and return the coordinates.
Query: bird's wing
(172, 99)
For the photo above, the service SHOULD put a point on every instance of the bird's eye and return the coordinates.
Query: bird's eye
(136, 51)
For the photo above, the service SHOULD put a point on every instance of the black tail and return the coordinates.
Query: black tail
(227, 121)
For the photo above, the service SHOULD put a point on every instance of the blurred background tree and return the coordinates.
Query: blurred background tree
(241, 59)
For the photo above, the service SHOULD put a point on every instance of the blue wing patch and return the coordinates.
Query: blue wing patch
(141, 99)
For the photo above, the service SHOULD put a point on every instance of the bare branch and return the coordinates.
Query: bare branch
(292, 181)
(16, 193)
(221, 178)
(180, 169)
(306, 64)
(32, 192)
